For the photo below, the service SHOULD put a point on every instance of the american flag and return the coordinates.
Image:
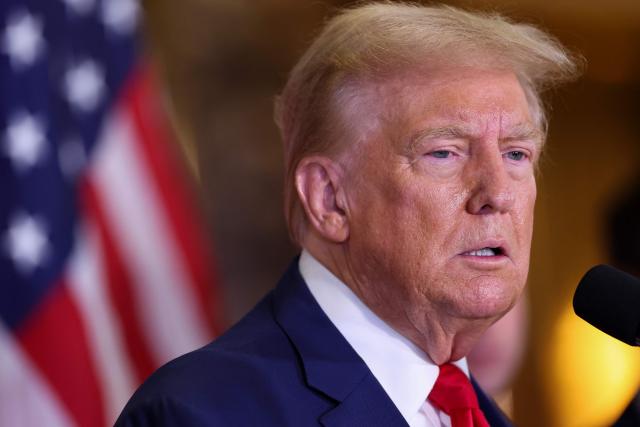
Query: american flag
(104, 274)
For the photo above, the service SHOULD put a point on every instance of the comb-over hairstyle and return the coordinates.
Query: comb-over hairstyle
(378, 39)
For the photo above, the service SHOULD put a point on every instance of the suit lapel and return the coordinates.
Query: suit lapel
(368, 405)
(333, 368)
(329, 363)
(492, 413)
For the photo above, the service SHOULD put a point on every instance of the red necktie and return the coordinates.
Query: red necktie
(454, 395)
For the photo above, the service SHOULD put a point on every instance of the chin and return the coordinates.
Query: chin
(491, 309)
(486, 299)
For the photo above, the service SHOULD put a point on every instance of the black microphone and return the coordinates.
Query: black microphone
(609, 299)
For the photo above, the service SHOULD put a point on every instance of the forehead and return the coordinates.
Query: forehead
(475, 101)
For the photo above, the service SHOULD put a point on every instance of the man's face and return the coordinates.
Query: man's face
(440, 197)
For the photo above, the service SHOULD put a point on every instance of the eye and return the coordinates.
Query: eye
(440, 154)
(516, 155)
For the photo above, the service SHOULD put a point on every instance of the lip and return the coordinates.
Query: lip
(485, 263)
(488, 243)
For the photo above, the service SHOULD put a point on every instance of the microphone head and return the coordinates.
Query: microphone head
(609, 299)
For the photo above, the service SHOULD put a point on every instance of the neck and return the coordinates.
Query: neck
(441, 337)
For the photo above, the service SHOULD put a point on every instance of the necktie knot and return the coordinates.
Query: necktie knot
(453, 394)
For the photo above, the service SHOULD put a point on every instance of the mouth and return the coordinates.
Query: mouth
(486, 254)
(489, 251)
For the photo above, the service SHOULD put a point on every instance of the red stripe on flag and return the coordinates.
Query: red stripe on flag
(119, 286)
(160, 155)
(55, 339)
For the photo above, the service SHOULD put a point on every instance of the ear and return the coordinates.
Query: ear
(318, 182)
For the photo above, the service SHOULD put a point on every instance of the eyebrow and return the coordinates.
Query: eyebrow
(525, 132)
(519, 132)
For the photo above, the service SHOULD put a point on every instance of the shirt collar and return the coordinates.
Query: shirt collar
(403, 370)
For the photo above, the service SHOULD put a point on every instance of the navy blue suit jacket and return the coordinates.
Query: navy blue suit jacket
(284, 364)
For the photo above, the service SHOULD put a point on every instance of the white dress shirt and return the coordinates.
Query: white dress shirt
(405, 372)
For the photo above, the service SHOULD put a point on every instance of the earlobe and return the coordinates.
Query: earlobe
(318, 183)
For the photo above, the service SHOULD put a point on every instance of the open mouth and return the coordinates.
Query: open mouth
(485, 252)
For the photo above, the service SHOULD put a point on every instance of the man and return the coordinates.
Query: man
(411, 138)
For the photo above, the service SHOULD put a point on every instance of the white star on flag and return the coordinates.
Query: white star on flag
(120, 16)
(23, 40)
(26, 243)
(84, 86)
(80, 7)
(25, 141)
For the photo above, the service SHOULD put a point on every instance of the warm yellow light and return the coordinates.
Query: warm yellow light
(592, 376)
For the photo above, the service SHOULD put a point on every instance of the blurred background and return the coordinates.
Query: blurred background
(219, 65)
(225, 60)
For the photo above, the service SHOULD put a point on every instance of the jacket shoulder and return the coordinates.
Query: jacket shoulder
(247, 372)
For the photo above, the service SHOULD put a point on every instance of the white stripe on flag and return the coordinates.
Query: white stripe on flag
(87, 281)
(169, 311)
(25, 398)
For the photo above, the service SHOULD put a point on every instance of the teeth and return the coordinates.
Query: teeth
(482, 252)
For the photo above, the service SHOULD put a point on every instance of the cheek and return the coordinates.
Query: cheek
(527, 209)
(523, 224)
(440, 212)
(422, 233)
(433, 199)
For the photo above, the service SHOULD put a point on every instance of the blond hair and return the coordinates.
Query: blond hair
(380, 38)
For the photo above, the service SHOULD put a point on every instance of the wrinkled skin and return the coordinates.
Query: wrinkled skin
(443, 165)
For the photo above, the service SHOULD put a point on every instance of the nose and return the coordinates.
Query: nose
(491, 186)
